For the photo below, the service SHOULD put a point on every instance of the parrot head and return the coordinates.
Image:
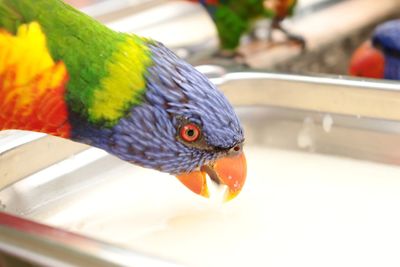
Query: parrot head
(183, 126)
(379, 57)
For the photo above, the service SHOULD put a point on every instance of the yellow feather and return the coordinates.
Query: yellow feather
(124, 83)
(26, 67)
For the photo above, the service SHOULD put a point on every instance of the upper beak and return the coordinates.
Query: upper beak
(230, 171)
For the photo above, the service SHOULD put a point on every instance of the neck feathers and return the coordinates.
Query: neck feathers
(124, 84)
(66, 64)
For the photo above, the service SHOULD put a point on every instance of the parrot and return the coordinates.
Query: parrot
(232, 19)
(65, 74)
(379, 57)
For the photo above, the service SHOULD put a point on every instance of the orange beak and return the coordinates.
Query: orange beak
(367, 61)
(230, 171)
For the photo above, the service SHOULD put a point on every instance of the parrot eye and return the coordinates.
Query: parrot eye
(190, 132)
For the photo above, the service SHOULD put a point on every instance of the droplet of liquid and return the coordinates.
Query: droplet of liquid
(305, 136)
(327, 123)
(217, 193)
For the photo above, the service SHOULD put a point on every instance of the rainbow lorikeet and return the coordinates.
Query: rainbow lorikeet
(65, 74)
(379, 57)
(233, 18)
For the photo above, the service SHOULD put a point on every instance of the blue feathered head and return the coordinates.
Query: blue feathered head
(183, 126)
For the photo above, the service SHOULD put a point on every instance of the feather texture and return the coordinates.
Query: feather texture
(387, 37)
(65, 74)
(32, 85)
(233, 18)
(379, 57)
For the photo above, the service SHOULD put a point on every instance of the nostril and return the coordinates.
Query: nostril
(235, 150)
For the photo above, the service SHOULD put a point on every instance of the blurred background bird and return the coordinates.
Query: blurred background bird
(379, 57)
(233, 19)
(65, 74)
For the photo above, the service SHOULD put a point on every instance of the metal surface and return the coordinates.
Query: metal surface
(276, 110)
(342, 95)
(25, 154)
(47, 246)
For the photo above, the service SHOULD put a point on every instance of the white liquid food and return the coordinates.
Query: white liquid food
(296, 209)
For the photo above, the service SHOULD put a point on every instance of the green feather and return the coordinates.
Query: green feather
(88, 49)
(230, 27)
(234, 18)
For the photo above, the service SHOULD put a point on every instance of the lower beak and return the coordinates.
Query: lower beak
(230, 171)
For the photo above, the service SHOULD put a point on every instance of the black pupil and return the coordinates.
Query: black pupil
(190, 133)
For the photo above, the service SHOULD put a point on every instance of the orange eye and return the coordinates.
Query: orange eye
(190, 132)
